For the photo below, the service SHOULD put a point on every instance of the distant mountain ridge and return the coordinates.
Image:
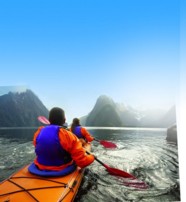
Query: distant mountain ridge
(21, 109)
(108, 113)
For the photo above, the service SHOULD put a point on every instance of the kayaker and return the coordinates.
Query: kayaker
(81, 132)
(57, 148)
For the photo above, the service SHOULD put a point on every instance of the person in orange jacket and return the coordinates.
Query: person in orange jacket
(57, 148)
(81, 132)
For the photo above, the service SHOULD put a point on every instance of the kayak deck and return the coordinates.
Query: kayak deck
(24, 185)
(32, 188)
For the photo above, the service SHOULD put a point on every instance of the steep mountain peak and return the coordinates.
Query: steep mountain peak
(21, 109)
(104, 113)
(103, 100)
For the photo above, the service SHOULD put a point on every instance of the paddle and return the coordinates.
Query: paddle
(114, 171)
(106, 144)
(43, 119)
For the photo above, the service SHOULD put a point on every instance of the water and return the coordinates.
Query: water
(16, 149)
(144, 153)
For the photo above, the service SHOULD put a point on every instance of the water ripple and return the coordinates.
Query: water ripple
(150, 159)
(144, 154)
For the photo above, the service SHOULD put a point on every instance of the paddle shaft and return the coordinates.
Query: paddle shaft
(98, 160)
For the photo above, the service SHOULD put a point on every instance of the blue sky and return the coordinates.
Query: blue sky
(71, 52)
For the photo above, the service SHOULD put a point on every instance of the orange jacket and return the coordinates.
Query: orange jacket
(72, 145)
(86, 134)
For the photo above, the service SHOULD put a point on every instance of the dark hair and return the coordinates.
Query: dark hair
(57, 116)
(75, 122)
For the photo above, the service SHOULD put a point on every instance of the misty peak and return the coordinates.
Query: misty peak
(104, 99)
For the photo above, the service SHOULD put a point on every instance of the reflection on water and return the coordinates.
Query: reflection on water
(143, 153)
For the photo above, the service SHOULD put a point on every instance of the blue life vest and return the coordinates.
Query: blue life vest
(48, 148)
(77, 132)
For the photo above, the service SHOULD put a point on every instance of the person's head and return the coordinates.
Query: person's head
(57, 116)
(76, 122)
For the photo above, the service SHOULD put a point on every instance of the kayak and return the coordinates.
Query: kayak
(23, 185)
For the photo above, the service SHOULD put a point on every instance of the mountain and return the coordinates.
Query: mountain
(104, 113)
(108, 113)
(158, 118)
(21, 109)
(129, 116)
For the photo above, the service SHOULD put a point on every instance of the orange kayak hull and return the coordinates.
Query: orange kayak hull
(24, 186)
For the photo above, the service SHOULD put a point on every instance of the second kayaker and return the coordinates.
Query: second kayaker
(81, 132)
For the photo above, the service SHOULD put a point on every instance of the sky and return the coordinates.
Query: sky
(69, 52)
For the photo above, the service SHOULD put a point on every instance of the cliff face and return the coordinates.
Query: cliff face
(170, 122)
(172, 134)
(21, 109)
